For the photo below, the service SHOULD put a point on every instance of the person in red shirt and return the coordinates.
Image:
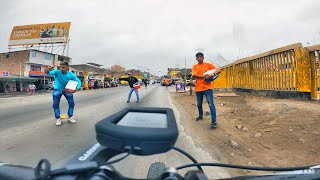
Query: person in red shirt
(203, 87)
(166, 82)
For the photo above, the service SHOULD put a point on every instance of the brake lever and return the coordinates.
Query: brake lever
(43, 169)
(195, 175)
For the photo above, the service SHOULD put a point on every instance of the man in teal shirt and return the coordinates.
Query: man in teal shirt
(61, 78)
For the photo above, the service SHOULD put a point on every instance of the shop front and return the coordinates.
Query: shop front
(15, 83)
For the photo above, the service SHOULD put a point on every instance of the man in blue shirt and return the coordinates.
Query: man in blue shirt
(61, 78)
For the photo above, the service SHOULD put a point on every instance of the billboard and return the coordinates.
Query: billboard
(174, 73)
(180, 87)
(40, 34)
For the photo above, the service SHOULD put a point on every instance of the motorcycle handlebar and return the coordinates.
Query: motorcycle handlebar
(92, 171)
(86, 170)
(13, 172)
(93, 162)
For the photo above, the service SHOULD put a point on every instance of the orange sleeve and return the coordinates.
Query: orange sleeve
(214, 67)
(194, 70)
(211, 66)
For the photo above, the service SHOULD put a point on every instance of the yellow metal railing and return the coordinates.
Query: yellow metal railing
(289, 68)
(315, 71)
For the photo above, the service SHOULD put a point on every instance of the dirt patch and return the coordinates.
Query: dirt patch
(255, 130)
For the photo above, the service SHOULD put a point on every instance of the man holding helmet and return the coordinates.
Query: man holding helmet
(203, 87)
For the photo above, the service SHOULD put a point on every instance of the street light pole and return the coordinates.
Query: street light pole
(191, 86)
(185, 72)
(20, 68)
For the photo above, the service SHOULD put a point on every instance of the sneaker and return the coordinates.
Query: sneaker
(128, 101)
(199, 118)
(72, 120)
(213, 125)
(138, 101)
(58, 122)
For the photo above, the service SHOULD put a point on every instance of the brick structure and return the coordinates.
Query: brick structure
(14, 62)
(27, 66)
(135, 72)
(117, 68)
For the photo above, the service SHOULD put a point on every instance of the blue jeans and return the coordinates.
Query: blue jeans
(137, 94)
(209, 96)
(56, 102)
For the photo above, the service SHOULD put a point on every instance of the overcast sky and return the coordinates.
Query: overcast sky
(163, 33)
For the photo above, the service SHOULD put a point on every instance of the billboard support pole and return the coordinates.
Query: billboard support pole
(64, 48)
(185, 72)
(68, 48)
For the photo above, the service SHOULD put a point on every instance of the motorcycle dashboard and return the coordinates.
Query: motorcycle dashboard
(143, 131)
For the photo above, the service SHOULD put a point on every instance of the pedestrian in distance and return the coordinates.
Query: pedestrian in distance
(145, 83)
(166, 82)
(96, 85)
(32, 88)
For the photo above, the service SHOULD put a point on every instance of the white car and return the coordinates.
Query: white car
(152, 81)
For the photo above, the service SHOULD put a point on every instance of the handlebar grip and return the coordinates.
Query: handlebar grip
(14, 172)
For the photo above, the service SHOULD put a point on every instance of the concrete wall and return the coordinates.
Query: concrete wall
(41, 58)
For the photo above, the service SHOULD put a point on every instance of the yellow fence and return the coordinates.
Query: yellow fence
(315, 70)
(289, 68)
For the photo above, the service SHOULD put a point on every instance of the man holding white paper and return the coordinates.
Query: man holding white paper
(61, 79)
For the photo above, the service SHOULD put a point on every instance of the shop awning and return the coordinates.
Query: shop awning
(38, 74)
(86, 68)
(18, 78)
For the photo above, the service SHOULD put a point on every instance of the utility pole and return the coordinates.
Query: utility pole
(20, 67)
(191, 86)
(68, 48)
(185, 72)
(51, 48)
(190, 83)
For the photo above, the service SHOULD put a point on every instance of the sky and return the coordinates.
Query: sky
(157, 34)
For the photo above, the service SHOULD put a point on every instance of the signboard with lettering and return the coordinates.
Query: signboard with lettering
(40, 34)
(4, 74)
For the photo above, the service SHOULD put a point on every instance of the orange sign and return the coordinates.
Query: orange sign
(40, 34)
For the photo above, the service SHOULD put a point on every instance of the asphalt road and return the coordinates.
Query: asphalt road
(28, 132)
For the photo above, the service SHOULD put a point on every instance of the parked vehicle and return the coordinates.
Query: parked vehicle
(46, 86)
